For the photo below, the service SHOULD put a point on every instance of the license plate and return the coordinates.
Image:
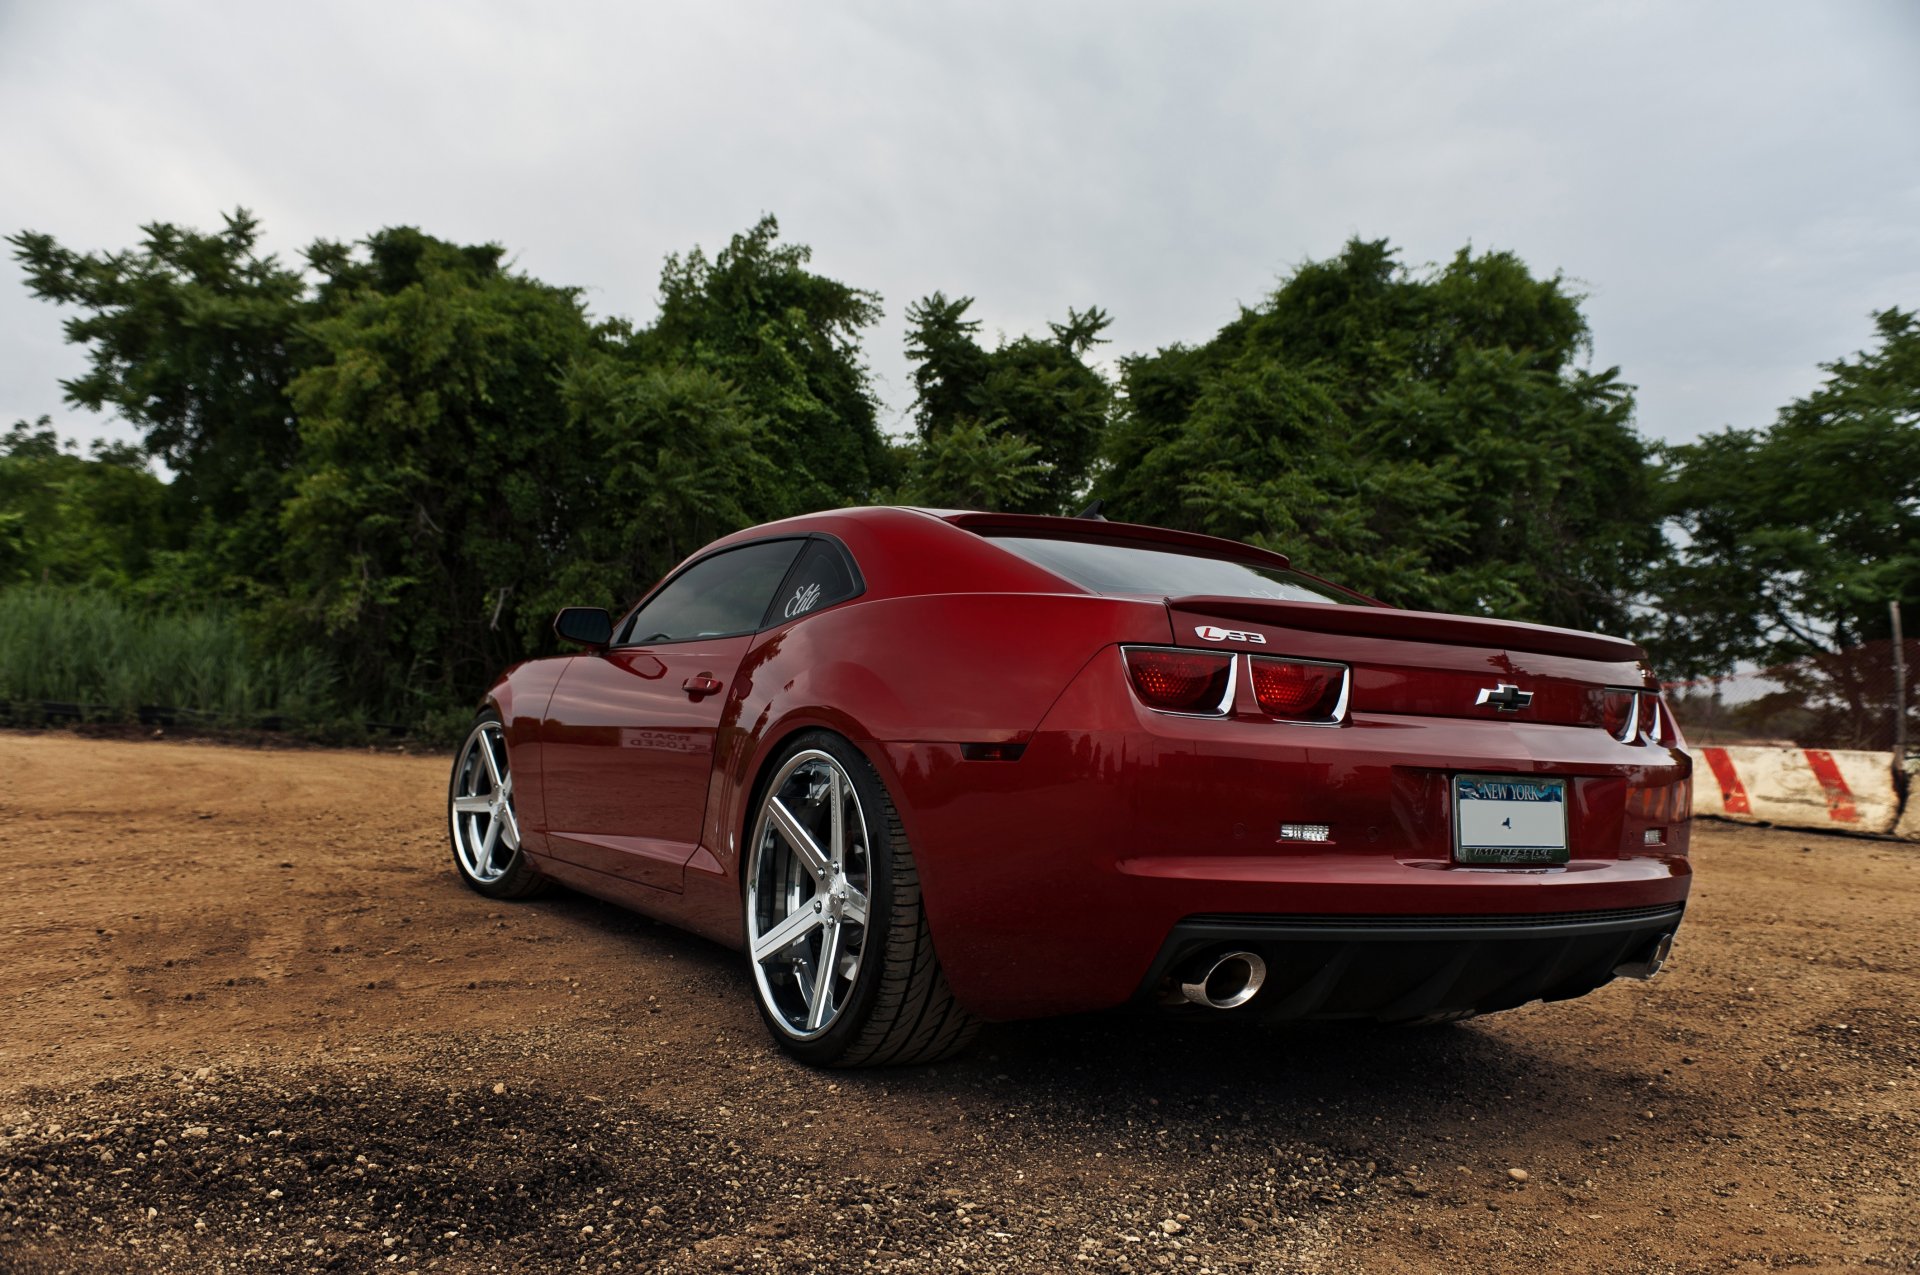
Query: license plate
(1501, 819)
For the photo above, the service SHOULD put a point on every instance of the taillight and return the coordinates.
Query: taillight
(1299, 690)
(1620, 714)
(1179, 681)
(1662, 803)
(1656, 720)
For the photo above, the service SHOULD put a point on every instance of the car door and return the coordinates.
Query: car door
(629, 733)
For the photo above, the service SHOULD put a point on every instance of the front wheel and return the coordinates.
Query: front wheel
(843, 964)
(480, 814)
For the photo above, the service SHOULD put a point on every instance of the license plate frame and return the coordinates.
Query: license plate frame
(1484, 832)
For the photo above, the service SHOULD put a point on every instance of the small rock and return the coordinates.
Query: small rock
(275, 1194)
(499, 1088)
(1171, 1227)
(1518, 1175)
(152, 1214)
(586, 1230)
(194, 1131)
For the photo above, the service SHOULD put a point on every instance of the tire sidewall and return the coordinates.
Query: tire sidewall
(847, 1025)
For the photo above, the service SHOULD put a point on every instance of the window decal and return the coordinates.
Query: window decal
(803, 600)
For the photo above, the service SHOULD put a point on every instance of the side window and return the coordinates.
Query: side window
(821, 577)
(718, 596)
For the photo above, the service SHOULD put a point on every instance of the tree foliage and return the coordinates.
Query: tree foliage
(194, 339)
(1430, 438)
(789, 340)
(433, 465)
(408, 454)
(1014, 428)
(399, 456)
(1793, 539)
(96, 521)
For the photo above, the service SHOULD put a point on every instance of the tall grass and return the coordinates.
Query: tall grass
(91, 649)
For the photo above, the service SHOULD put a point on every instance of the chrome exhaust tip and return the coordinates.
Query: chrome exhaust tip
(1649, 962)
(1229, 981)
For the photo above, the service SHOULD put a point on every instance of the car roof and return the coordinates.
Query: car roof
(909, 549)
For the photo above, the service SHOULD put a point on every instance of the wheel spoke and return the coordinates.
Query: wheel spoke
(804, 846)
(510, 826)
(839, 820)
(822, 1003)
(486, 847)
(478, 804)
(796, 926)
(486, 754)
(854, 907)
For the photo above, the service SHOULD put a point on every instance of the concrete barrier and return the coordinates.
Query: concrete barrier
(1909, 825)
(1833, 789)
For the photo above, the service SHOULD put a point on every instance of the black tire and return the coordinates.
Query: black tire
(899, 1010)
(517, 879)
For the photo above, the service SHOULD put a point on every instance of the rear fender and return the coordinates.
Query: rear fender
(952, 668)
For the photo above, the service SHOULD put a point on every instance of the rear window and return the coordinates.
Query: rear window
(1163, 573)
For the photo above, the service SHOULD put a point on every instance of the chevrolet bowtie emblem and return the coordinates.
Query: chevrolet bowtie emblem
(1506, 697)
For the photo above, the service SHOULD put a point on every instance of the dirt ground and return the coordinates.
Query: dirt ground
(252, 1021)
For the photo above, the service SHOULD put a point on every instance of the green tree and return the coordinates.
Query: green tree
(1793, 539)
(681, 459)
(404, 454)
(438, 467)
(789, 340)
(96, 521)
(1015, 428)
(1427, 437)
(194, 339)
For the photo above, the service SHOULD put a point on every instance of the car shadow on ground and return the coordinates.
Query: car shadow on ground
(1338, 1084)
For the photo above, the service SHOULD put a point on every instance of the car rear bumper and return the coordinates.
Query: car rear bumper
(1056, 882)
(1410, 968)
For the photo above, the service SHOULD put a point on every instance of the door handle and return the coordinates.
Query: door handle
(703, 684)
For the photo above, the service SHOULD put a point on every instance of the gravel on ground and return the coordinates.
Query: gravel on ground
(253, 1022)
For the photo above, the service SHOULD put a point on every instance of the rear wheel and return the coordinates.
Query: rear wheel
(480, 815)
(843, 964)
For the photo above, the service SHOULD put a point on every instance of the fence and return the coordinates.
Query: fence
(1845, 700)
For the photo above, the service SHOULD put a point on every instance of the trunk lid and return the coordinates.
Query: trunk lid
(1423, 663)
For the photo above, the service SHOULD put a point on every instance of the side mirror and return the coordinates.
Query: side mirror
(584, 626)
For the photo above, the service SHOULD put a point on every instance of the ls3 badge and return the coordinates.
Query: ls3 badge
(1212, 634)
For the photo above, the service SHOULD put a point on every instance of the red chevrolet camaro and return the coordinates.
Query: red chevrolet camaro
(930, 768)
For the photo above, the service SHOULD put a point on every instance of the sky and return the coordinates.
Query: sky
(1734, 187)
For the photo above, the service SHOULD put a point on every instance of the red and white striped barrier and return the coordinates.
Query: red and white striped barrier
(1836, 789)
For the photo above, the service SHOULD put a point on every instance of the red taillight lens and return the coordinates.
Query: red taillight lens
(1619, 714)
(1662, 803)
(1656, 720)
(1298, 690)
(1175, 681)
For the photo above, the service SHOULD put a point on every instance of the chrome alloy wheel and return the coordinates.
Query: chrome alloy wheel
(486, 835)
(809, 871)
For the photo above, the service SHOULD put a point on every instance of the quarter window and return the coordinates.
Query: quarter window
(821, 577)
(720, 596)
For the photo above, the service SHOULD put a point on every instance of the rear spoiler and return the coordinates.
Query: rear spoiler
(1101, 531)
(1414, 626)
